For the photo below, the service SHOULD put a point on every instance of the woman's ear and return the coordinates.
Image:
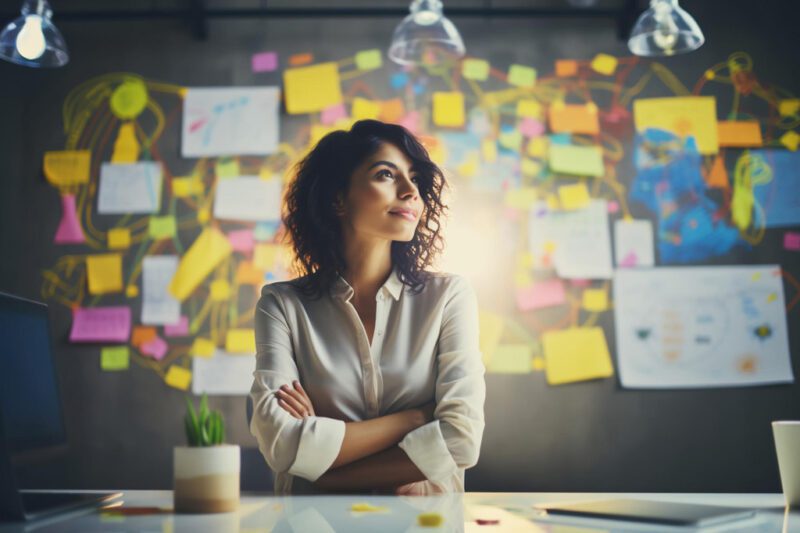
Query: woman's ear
(338, 205)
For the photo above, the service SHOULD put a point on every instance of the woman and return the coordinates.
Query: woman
(368, 372)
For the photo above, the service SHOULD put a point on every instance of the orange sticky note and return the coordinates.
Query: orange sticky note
(248, 274)
(392, 110)
(574, 118)
(300, 59)
(566, 68)
(739, 133)
(142, 334)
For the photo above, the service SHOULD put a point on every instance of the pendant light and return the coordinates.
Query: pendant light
(426, 36)
(32, 40)
(664, 30)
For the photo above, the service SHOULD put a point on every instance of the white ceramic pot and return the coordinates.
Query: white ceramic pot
(206, 478)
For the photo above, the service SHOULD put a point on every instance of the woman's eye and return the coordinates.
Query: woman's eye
(385, 172)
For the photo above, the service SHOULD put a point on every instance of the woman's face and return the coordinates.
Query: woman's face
(383, 200)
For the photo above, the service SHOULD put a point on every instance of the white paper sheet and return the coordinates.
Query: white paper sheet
(633, 243)
(701, 327)
(158, 305)
(223, 373)
(129, 188)
(581, 239)
(230, 121)
(248, 198)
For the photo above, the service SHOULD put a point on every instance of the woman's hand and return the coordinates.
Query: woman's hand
(295, 400)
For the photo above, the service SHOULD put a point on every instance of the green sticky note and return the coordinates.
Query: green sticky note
(115, 358)
(511, 140)
(475, 69)
(576, 160)
(227, 167)
(369, 59)
(511, 359)
(522, 76)
(162, 227)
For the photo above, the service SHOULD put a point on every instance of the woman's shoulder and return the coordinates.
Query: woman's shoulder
(444, 281)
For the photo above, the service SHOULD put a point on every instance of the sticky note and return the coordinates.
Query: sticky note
(541, 294)
(178, 377)
(510, 139)
(566, 68)
(531, 127)
(155, 348)
(790, 140)
(142, 334)
(220, 290)
(511, 359)
(521, 76)
(683, 116)
(529, 108)
(119, 238)
(475, 69)
(202, 347)
(104, 273)
(369, 59)
(489, 150)
(242, 240)
(604, 64)
(205, 253)
(162, 227)
(739, 133)
(530, 168)
(576, 354)
(789, 107)
(537, 147)
(183, 187)
(248, 274)
(67, 168)
(718, 175)
(791, 241)
(574, 196)
(331, 115)
(296, 60)
(266, 255)
(574, 118)
(392, 110)
(180, 329)
(114, 358)
(227, 167)
(576, 160)
(264, 62)
(521, 198)
(595, 300)
(311, 89)
(240, 341)
(101, 324)
(365, 109)
(448, 109)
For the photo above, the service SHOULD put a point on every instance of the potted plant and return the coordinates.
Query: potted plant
(206, 472)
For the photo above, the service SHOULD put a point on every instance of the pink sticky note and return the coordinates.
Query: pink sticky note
(241, 240)
(791, 241)
(181, 329)
(69, 229)
(629, 260)
(264, 62)
(156, 348)
(612, 206)
(332, 114)
(530, 127)
(538, 295)
(580, 282)
(101, 324)
(411, 121)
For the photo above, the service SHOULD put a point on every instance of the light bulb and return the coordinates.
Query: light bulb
(666, 34)
(30, 41)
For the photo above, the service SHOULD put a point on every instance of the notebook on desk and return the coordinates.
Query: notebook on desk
(31, 422)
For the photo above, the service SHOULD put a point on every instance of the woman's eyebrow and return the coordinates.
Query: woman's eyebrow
(388, 164)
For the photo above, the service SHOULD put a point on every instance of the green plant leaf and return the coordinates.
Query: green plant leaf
(192, 421)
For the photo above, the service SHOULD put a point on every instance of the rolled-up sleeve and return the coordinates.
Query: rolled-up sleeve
(453, 439)
(306, 447)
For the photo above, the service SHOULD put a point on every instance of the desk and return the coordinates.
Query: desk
(324, 514)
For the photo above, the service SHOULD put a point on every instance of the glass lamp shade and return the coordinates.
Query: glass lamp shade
(665, 29)
(32, 40)
(426, 37)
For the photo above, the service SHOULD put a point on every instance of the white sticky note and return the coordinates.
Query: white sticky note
(158, 305)
(633, 243)
(129, 188)
(248, 198)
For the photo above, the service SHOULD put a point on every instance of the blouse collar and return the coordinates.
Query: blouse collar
(393, 286)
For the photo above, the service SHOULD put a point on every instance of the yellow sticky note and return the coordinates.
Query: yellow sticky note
(313, 88)
(604, 64)
(576, 160)
(162, 227)
(790, 140)
(126, 147)
(241, 341)
(683, 116)
(574, 196)
(220, 290)
(470, 166)
(537, 147)
(178, 377)
(574, 118)
(511, 359)
(365, 109)
(202, 347)
(789, 107)
(67, 167)
(227, 167)
(185, 186)
(114, 358)
(576, 354)
(489, 150)
(521, 76)
(475, 69)
(369, 59)
(529, 108)
(595, 300)
(529, 167)
(205, 253)
(739, 133)
(490, 326)
(521, 198)
(538, 363)
(119, 238)
(448, 109)
(104, 273)
(266, 255)
(511, 139)
(430, 519)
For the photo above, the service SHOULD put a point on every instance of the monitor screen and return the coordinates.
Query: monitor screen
(30, 408)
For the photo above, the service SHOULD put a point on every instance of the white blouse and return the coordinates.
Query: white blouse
(424, 348)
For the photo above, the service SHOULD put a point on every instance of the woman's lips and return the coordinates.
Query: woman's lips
(405, 214)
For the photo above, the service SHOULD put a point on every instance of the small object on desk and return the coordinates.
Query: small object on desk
(430, 519)
(487, 521)
(364, 507)
(135, 511)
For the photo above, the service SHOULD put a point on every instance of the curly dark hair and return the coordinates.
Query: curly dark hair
(314, 230)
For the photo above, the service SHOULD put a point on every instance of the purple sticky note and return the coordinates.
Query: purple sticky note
(332, 114)
(538, 295)
(791, 241)
(264, 62)
(101, 324)
(69, 229)
(629, 260)
(241, 240)
(155, 347)
(181, 329)
(530, 127)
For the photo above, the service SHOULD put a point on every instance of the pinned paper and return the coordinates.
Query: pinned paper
(158, 305)
(448, 109)
(113, 358)
(604, 64)
(369, 59)
(740, 133)
(576, 160)
(541, 294)
(633, 240)
(264, 62)
(511, 359)
(718, 175)
(68, 167)
(203, 256)
(576, 354)
(248, 198)
(529, 167)
(574, 118)
(222, 373)
(119, 238)
(521, 76)
(683, 116)
(241, 341)
(475, 69)
(161, 227)
(311, 89)
(178, 377)
(104, 273)
(573, 196)
(202, 347)
(595, 300)
(129, 188)
(69, 227)
(101, 324)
